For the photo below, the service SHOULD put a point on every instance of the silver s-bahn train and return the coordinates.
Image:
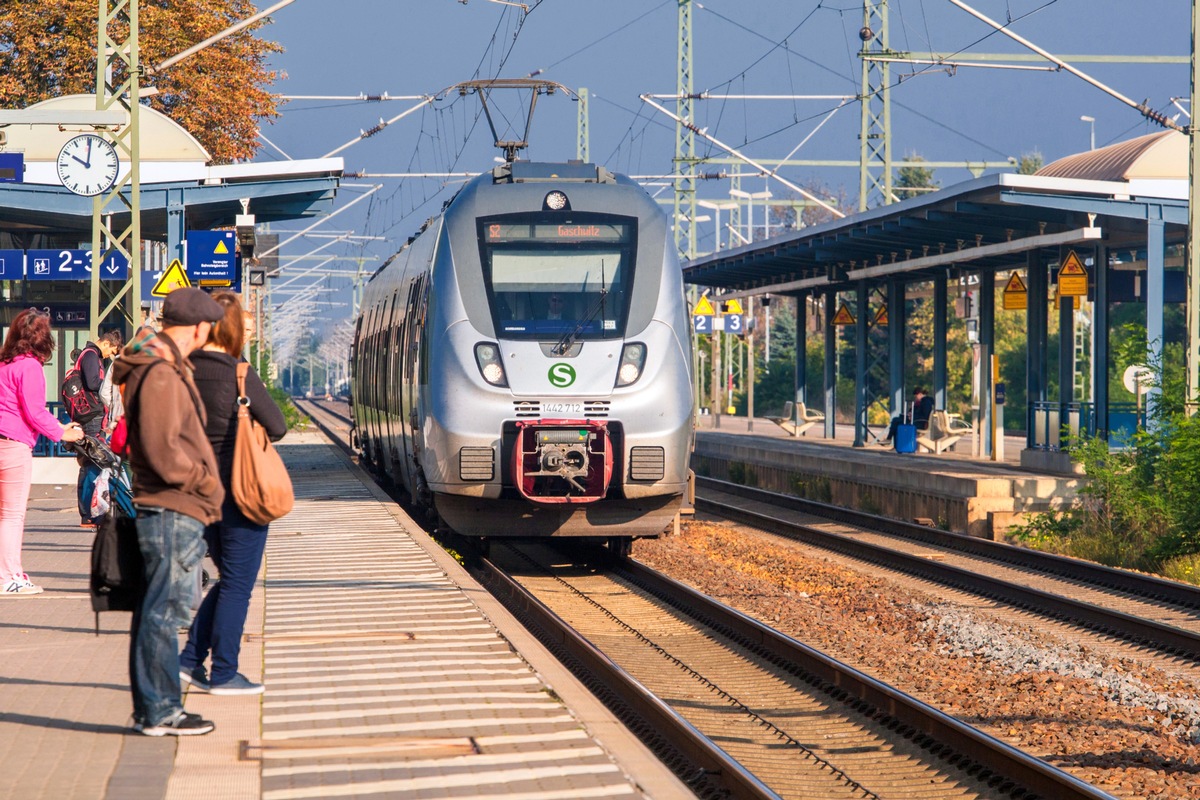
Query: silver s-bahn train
(524, 364)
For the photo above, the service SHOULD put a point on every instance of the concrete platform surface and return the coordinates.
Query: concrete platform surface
(389, 673)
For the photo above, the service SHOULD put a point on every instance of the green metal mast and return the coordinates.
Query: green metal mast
(875, 135)
(118, 61)
(685, 141)
(583, 147)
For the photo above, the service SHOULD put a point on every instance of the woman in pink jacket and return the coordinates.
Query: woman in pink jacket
(23, 416)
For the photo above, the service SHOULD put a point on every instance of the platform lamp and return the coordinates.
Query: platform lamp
(1091, 121)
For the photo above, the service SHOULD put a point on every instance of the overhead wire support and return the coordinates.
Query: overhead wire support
(1142, 107)
(756, 164)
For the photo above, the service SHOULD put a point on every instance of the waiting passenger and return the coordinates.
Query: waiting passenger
(922, 411)
(235, 544)
(177, 491)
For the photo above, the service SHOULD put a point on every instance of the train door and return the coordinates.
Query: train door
(409, 416)
(369, 392)
(390, 385)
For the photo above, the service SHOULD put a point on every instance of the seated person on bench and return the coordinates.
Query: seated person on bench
(922, 409)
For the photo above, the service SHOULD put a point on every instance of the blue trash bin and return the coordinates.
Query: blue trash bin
(906, 438)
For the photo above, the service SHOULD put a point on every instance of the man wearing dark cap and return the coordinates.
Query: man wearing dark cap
(177, 491)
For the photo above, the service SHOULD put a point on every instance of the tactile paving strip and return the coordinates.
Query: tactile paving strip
(384, 679)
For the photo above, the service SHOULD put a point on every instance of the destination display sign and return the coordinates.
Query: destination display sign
(551, 232)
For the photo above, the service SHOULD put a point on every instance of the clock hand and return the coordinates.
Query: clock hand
(88, 163)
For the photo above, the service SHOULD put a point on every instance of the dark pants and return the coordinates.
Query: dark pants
(88, 472)
(897, 421)
(236, 546)
(172, 546)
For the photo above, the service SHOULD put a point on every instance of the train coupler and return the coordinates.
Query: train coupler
(562, 461)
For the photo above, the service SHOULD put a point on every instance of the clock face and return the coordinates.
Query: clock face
(88, 164)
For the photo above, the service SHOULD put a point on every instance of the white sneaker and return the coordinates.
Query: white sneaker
(21, 585)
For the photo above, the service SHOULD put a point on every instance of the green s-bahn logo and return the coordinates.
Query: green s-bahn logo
(561, 375)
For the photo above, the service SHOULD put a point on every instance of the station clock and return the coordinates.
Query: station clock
(88, 164)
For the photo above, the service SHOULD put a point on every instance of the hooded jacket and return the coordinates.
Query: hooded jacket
(173, 464)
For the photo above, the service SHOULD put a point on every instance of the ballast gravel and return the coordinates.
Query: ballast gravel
(1129, 729)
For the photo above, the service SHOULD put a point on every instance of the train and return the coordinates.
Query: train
(522, 366)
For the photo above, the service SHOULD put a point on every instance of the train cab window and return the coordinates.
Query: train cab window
(549, 276)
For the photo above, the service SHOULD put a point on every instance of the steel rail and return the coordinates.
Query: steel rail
(1003, 760)
(715, 763)
(1150, 587)
(1116, 623)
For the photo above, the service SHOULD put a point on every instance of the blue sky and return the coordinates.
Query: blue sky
(619, 49)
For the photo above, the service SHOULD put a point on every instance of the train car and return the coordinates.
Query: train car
(523, 365)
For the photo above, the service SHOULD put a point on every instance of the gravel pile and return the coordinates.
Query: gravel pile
(1127, 728)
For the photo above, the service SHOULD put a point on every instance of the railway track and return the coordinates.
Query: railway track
(1139, 609)
(734, 706)
(797, 721)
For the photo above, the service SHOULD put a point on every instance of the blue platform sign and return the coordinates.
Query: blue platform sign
(211, 257)
(12, 265)
(73, 265)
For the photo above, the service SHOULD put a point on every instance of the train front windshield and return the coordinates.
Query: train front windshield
(551, 277)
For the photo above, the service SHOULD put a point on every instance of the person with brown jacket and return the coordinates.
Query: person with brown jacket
(177, 492)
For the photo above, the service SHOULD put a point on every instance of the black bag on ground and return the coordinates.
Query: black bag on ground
(118, 580)
(82, 405)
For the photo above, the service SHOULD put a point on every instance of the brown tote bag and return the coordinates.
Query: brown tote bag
(261, 486)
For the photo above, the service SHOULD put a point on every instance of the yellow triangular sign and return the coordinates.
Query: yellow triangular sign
(1072, 265)
(843, 316)
(703, 308)
(174, 278)
(1015, 284)
(220, 248)
(734, 307)
(881, 317)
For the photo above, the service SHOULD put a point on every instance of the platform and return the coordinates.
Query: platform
(389, 673)
(953, 490)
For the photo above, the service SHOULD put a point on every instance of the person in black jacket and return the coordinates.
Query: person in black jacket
(922, 411)
(235, 544)
(92, 360)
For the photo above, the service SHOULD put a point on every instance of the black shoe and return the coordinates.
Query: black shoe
(885, 442)
(182, 724)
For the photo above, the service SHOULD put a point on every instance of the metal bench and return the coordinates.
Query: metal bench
(943, 432)
(796, 418)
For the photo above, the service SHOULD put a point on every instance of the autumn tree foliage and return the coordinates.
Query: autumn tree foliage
(219, 95)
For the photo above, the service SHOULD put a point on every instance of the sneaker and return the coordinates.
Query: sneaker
(238, 684)
(182, 724)
(197, 678)
(19, 585)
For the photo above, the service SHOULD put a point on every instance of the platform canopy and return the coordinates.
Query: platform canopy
(175, 174)
(990, 222)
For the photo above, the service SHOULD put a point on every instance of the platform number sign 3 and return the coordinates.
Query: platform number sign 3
(561, 375)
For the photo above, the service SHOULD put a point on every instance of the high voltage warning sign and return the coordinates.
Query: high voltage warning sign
(843, 316)
(1016, 296)
(1072, 277)
(881, 317)
(703, 308)
(174, 278)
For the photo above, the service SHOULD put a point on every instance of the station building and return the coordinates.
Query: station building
(180, 191)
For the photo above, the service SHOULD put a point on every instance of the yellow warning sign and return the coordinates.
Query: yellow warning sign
(1072, 277)
(220, 248)
(881, 317)
(1016, 296)
(843, 316)
(733, 307)
(703, 308)
(174, 278)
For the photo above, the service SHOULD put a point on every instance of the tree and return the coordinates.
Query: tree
(913, 179)
(48, 49)
(1030, 163)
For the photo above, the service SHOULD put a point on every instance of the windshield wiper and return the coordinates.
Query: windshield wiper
(568, 339)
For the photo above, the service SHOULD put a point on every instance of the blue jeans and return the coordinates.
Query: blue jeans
(236, 546)
(172, 545)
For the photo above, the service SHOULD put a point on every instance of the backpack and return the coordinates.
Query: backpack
(82, 405)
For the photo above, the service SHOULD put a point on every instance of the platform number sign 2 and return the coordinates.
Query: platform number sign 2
(702, 323)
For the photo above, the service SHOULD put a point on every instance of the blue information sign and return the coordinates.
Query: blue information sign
(12, 265)
(73, 265)
(211, 257)
(702, 323)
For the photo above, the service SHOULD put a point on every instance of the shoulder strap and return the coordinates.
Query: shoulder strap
(243, 402)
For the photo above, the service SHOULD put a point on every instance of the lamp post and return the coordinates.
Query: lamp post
(1091, 121)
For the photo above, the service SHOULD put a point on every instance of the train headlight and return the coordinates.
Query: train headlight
(633, 358)
(487, 356)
